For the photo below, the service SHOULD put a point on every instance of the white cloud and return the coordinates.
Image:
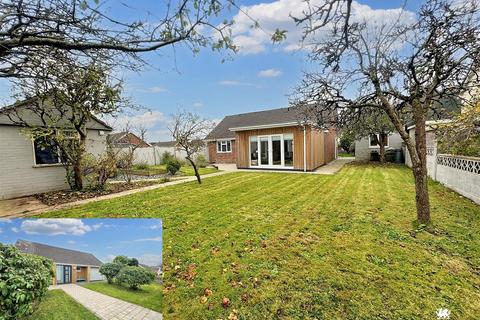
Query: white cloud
(198, 104)
(156, 89)
(154, 239)
(150, 259)
(109, 258)
(277, 14)
(156, 226)
(53, 227)
(5, 220)
(235, 83)
(71, 242)
(269, 73)
(15, 229)
(148, 119)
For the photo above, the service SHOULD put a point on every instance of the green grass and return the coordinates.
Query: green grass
(188, 170)
(149, 296)
(57, 305)
(302, 246)
(346, 155)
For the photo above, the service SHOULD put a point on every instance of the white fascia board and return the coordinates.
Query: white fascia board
(218, 139)
(266, 126)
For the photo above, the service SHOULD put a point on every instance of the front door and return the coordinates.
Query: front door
(270, 151)
(64, 274)
(264, 151)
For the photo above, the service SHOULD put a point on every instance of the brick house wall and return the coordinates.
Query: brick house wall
(227, 157)
(132, 139)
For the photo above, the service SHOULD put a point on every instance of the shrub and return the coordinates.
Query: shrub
(141, 166)
(166, 157)
(173, 166)
(201, 161)
(97, 170)
(24, 279)
(126, 261)
(110, 270)
(134, 277)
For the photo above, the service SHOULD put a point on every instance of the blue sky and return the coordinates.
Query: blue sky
(105, 238)
(259, 77)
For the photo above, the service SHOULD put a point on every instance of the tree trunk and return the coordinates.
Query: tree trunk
(77, 164)
(195, 169)
(420, 170)
(381, 143)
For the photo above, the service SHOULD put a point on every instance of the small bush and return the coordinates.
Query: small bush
(173, 166)
(201, 161)
(135, 277)
(24, 279)
(141, 166)
(110, 270)
(166, 157)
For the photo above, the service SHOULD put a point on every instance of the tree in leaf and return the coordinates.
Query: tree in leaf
(60, 101)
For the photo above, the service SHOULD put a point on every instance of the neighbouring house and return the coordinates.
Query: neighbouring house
(366, 149)
(126, 140)
(26, 167)
(71, 266)
(270, 139)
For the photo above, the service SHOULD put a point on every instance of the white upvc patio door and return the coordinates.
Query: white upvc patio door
(270, 150)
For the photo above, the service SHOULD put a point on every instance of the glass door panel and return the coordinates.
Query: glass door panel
(68, 274)
(253, 151)
(60, 274)
(264, 151)
(276, 150)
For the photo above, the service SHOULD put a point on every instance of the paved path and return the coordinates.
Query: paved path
(329, 168)
(106, 307)
(15, 208)
(333, 166)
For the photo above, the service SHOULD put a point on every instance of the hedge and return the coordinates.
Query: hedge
(24, 280)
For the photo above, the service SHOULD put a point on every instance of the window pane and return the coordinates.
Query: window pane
(45, 152)
(253, 151)
(219, 146)
(288, 152)
(229, 146)
(224, 147)
(373, 140)
(276, 150)
(264, 151)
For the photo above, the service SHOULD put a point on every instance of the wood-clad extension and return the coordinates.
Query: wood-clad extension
(315, 146)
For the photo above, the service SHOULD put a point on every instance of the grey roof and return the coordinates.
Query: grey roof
(18, 107)
(259, 118)
(114, 137)
(58, 255)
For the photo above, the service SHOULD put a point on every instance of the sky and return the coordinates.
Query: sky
(104, 238)
(260, 76)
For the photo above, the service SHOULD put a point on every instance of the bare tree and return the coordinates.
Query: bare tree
(406, 68)
(60, 101)
(189, 131)
(29, 27)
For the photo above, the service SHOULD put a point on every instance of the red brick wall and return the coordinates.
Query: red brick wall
(230, 157)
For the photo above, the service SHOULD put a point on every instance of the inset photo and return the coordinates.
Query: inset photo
(80, 269)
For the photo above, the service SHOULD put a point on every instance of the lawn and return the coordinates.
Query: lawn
(302, 246)
(57, 305)
(161, 169)
(149, 296)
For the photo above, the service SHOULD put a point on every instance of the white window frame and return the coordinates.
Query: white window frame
(225, 142)
(59, 163)
(270, 152)
(377, 146)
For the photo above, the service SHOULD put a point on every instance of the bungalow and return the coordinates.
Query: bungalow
(26, 166)
(126, 140)
(70, 266)
(271, 139)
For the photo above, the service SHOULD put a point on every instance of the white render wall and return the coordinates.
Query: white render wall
(18, 174)
(363, 149)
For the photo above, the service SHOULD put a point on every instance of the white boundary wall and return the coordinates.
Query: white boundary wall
(461, 174)
(153, 155)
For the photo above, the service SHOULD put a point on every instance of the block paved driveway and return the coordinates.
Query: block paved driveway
(106, 307)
